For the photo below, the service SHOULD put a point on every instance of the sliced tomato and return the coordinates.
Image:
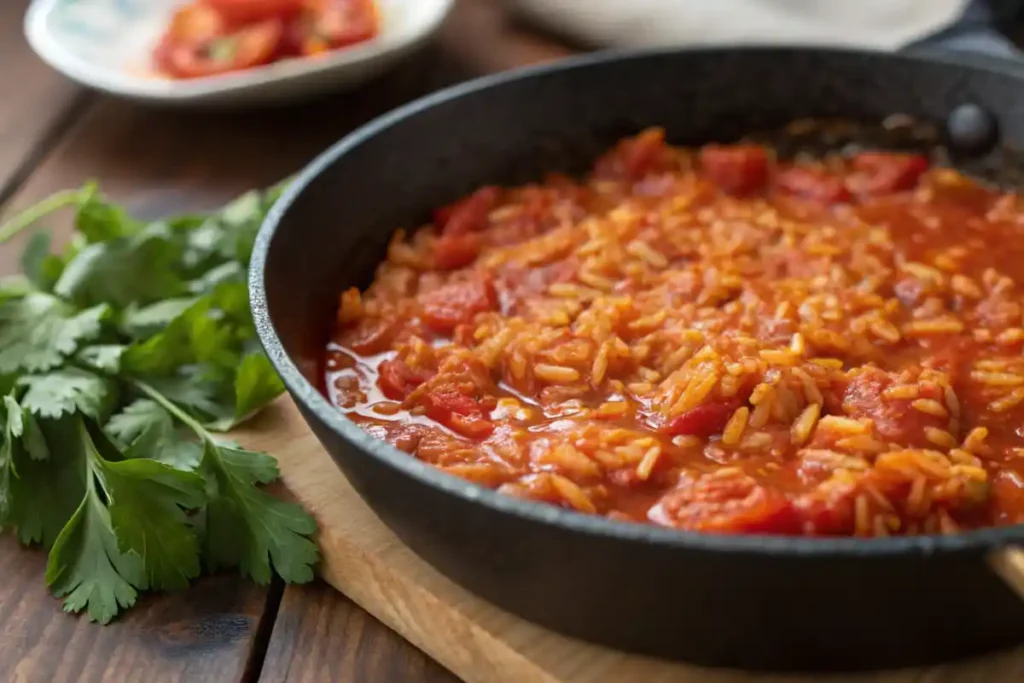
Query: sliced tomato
(397, 380)
(456, 251)
(467, 215)
(457, 303)
(239, 12)
(331, 24)
(737, 169)
(195, 25)
(460, 413)
(721, 504)
(815, 184)
(878, 173)
(249, 47)
(704, 420)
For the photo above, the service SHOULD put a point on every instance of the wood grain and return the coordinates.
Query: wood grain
(37, 101)
(476, 641)
(207, 636)
(320, 635)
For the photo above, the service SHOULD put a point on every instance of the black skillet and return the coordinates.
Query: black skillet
(752, 602)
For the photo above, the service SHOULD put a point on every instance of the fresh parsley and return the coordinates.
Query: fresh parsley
(121, 358)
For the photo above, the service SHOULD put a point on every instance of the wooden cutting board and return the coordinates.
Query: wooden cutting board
(476, 641)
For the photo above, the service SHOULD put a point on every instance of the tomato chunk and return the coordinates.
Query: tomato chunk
(734, 504)
(195, 25)
(457, 303)
(884, 172)
(704, 420)
(814, 184)
(637, 157)
(397, 380)
(737, 169)
(456, 251)
(254, 45)
(460, 413)
(894, 419)
(468, 215)
(370, 335)
(331, 24)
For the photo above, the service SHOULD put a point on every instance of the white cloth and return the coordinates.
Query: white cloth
(879, 24)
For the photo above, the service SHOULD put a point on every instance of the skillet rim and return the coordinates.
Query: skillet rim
(304, 392)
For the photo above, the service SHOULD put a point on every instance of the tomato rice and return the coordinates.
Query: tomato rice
(712, 340)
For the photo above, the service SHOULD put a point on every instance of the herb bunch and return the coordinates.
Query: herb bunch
(122, 358)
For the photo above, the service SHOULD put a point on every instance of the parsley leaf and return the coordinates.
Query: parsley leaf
(230, 234)
(197, 335)
(149, 432)
(247, 527)
(136, 419)
(244, 526)
(130, 532)
(102, 357)
(139, 268)
(201, 360)
(11, 432)
(226, 273)
(66, 391)
(41, 267)
(256, 385)
(146, 500)
(149, 323)
(100, 221)
(49, 479)
(86, 566)
(193, 392)
(37, 331)
(149, 320)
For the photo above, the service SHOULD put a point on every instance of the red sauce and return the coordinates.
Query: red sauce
(712, 340)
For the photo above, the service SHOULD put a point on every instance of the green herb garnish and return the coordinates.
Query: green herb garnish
(121, 358)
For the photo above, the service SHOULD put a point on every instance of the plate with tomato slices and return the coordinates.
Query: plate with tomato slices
(227, 51)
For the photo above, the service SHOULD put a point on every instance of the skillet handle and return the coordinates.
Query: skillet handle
(979, 31)
(1008, 563)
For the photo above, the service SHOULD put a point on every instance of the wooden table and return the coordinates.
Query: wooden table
(54, 135)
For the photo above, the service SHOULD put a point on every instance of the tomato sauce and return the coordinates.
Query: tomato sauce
(713, 340)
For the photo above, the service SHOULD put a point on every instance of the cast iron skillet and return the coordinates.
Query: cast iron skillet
(752, 602)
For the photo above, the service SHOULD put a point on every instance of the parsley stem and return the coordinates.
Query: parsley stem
(34, 213)
(174, 410)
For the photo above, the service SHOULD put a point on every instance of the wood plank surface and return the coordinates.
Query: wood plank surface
(37, 103)
(475, 640)
(207, 634)
(320, 635)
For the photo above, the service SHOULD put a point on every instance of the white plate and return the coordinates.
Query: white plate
(107, 45)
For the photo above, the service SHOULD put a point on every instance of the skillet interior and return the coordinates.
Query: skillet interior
(748, 602)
